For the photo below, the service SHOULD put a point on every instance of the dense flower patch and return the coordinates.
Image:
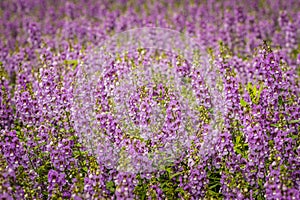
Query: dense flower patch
(151, 124)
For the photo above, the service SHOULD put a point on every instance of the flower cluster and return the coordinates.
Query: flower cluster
(78, 121)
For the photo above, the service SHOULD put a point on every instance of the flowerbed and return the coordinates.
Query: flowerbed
(147, 123)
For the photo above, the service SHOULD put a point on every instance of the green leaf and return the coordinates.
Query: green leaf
(238, 139)
(215, 185)
(169, 170)
(77, 154)
(257, 96)
(74, 63)
(243, 103)
(176, 174)
(249, 87)
(280, 100)
(254, 93)
(41, 170)
(85, 169)
(271, 143)
(110, 186)
(180, 190)
(293, 137)
(254, 90)
(294, 121)
(276, 125)
(73, 137)
(238, 151)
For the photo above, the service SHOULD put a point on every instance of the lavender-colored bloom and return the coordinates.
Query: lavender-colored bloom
(232, 120)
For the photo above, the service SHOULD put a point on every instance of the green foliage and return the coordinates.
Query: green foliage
(294, 121)
(225, 50)
(239, 144)
(72, 63)
(142, 187)
(111, 186)
(295, 52)
(243, 103)
(3, 72)
(167, 181)
(254, 92)
(214, 184)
